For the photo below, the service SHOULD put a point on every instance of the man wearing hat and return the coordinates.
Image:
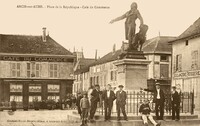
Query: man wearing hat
(95, 98)
(175, 104)
(158, 99)
(121, 102)
(79, 97)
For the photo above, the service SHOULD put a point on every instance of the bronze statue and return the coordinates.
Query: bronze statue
(139, 38)
(130, 25)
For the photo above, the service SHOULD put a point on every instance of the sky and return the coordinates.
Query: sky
(89, 28)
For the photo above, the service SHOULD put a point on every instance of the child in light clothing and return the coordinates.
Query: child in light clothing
(84, 105)
(145, 111)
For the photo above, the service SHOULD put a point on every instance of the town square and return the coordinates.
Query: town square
(100, 63)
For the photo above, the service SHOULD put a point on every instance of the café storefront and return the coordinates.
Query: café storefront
(189, 81)
(25, 78)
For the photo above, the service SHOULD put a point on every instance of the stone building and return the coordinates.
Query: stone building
(159, 51)
(81, 75)
(186, 63)
(34, 67)
(156, 50)
(103, 71)
(81, 72)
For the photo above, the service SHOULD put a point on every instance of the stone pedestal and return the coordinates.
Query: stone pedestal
(132, 72)
(132, 54)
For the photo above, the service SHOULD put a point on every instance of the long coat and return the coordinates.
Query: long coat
(95, 96)
(121, 98)
(175, 98)
(108, 101)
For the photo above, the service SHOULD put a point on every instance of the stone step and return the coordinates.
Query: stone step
(138, 117)
(167, 117)
(185, 122)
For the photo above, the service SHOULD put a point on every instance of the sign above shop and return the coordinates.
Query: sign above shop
(187, 74)
(37, 59)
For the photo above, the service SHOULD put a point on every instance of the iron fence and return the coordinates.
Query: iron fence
(135, 99)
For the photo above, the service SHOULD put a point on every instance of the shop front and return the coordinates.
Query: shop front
(25, 91)
(189, 81)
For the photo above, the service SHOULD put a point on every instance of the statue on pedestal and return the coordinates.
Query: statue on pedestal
(134, 40)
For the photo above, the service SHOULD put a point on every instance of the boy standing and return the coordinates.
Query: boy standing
(145, 111)
(84, 105)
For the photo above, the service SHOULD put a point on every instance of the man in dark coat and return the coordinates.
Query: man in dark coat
(13, 105)
(79, 97)
(94, 100)
(121, 102)
(108, 97)
(158, 99)
(175, 104)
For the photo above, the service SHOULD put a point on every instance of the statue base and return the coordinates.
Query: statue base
(132, 68)
(133, 54)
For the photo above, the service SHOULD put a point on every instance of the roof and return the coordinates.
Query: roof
(86, 61)
(192, 31)
(84, 64)
(111, 56)
(28, 44)
(82, 70)
(158, 45)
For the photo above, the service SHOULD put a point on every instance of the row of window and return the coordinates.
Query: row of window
(52, 88)
(34, 70)
(32, 98)
(102, 67)
(96, 80)
(194, 61)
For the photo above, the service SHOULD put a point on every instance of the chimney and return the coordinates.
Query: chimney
(74, 49)
(114, 48)
(96, 54)
(44, 37)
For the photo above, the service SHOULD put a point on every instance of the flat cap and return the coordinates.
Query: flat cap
(174, 87)
(96, 85)
(157, 83)
(121, 86)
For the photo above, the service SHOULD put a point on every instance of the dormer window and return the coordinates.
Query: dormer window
(186, 42)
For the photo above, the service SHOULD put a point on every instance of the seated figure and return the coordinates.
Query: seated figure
(139, 38)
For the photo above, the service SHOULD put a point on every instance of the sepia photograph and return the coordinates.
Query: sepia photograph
(99, 63)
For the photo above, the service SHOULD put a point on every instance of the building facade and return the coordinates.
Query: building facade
(34, 67)
(156, 50)
(186, 65)
(81, 72)
(159, 51)
(103, 74)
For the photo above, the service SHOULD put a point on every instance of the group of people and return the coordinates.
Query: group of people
(87, 104)
(159, 100)
(88, 101)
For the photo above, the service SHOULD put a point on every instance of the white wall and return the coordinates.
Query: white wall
(65, 69)
(181, 48)
(154, 66)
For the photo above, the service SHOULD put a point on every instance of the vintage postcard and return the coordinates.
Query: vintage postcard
(99, 63)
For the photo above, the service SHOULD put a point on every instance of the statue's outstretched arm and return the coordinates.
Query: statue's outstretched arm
(118, 18)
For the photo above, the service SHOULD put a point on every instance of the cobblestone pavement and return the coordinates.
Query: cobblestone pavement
(38, 118)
